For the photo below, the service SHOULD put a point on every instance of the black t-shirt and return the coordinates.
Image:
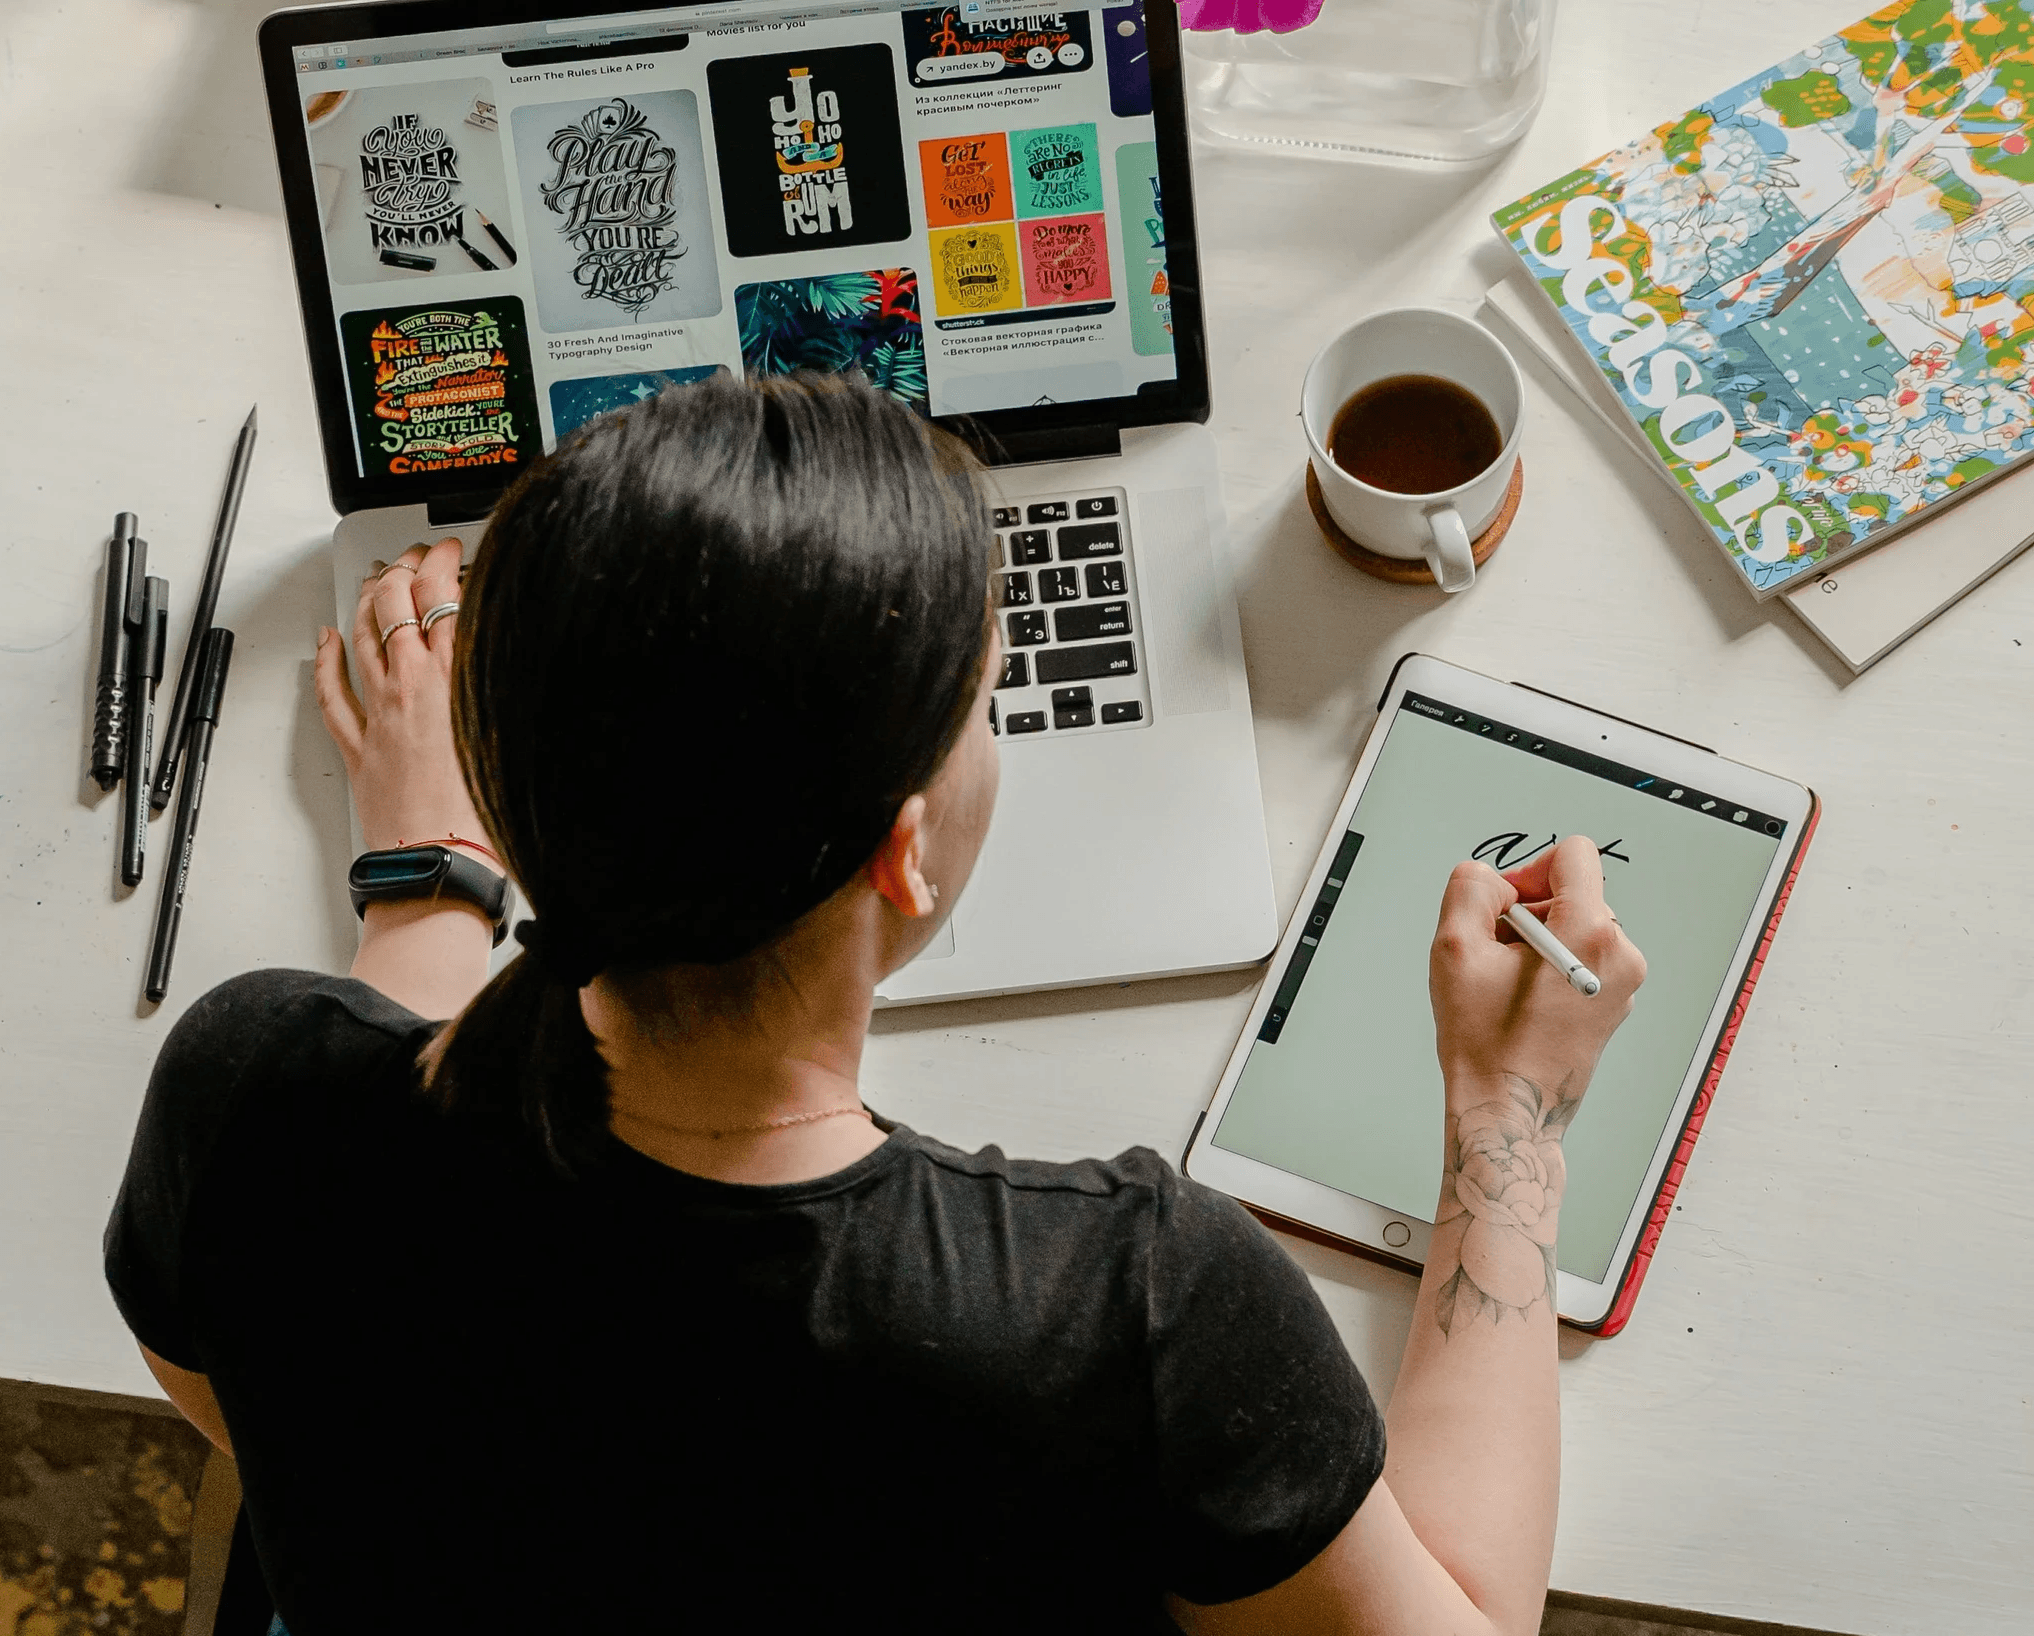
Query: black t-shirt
(932, 1391)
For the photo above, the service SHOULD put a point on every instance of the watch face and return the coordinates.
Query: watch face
(383, 871)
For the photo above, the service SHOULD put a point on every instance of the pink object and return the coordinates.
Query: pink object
(1248, 16)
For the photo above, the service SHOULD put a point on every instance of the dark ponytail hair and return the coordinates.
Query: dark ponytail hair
(709, 648)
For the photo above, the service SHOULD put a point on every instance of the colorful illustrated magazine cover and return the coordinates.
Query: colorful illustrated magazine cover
(1815, 292)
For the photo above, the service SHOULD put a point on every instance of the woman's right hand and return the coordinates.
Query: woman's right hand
(1459, 1534)
(1499, 1008)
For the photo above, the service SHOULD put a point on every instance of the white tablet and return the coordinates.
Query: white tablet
(1329, 1115)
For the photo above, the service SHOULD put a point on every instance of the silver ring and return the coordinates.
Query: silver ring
(444, 610)
(398, 625)
(412, 567)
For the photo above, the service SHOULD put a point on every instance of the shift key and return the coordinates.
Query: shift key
(1085, 664)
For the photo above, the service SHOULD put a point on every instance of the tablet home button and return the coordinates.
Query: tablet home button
(1397, 1234)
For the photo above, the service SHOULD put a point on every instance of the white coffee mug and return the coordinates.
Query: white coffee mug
(1415, 341)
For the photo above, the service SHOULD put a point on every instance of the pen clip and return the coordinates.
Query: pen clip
(137, 585)
(158, 650)
(151, 633)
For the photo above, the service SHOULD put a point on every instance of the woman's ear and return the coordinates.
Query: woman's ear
(896, 871)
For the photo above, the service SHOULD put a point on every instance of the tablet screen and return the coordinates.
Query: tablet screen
(1342, 1086)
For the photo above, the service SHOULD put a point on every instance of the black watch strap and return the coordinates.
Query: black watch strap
(428, 872)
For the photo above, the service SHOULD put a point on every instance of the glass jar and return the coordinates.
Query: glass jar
(1440, 82)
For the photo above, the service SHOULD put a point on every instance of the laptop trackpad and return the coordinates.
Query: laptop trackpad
(941, 945)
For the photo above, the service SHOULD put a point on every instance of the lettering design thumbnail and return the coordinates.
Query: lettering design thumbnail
(843, 321)
(620, 191)
(1066, 259)
(613, 188)
(810, 153)
(967, 179)
(1056, 170)
(1140, 229)
(942, 48)
(976, 269)
(410, 181)
(409, 175)
(440, 388)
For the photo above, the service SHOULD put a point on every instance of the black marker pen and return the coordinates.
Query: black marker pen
(109, 715)
(146, 639)
(213, 661)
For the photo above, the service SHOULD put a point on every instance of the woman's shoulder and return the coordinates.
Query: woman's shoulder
(1123, 1251)
(1136, 1189)
(234, 1083)
(277, 1007)
(1135, 1175)
(270, 1025)
(270, 989)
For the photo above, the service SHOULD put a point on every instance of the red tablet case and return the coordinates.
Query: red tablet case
(1670, 1182)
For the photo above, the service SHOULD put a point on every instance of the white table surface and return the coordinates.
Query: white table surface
(1821, 1411)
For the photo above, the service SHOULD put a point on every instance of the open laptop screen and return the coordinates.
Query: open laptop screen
(502, 230)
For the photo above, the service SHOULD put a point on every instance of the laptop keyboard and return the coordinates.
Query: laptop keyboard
(1073, 657)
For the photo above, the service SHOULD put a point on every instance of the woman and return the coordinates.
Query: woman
(612, 1306)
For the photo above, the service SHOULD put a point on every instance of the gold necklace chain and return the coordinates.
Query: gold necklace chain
(784, 1123)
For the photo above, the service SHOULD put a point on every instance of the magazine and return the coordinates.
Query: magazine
(1814, 293)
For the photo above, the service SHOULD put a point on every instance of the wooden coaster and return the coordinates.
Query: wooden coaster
(1413, 570)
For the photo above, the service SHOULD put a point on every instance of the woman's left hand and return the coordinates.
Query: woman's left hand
(395, 732)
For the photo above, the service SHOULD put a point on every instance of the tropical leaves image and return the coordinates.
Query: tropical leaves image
(841, 321)
(898, 367)
(841, 297)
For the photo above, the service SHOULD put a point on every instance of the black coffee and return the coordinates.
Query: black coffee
(1414, 434)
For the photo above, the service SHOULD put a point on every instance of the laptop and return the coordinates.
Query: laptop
(507, 219)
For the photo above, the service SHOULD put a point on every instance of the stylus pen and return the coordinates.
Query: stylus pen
(201, 616)
(217, 654)
(1550, 948)
(145, 643)
(109, 715)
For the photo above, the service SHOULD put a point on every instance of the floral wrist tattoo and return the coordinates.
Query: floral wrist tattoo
(1500, 1199)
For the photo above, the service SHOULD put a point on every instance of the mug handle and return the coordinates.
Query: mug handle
(1448, 554)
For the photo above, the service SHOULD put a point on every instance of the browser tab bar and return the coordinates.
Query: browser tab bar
(632, 19)
(641, 27)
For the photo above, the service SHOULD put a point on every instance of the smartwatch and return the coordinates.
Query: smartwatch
(429, 872)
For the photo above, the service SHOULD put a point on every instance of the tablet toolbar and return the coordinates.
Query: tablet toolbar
(1704, 802)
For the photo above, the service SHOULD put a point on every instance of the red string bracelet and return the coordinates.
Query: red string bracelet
(453, 840)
